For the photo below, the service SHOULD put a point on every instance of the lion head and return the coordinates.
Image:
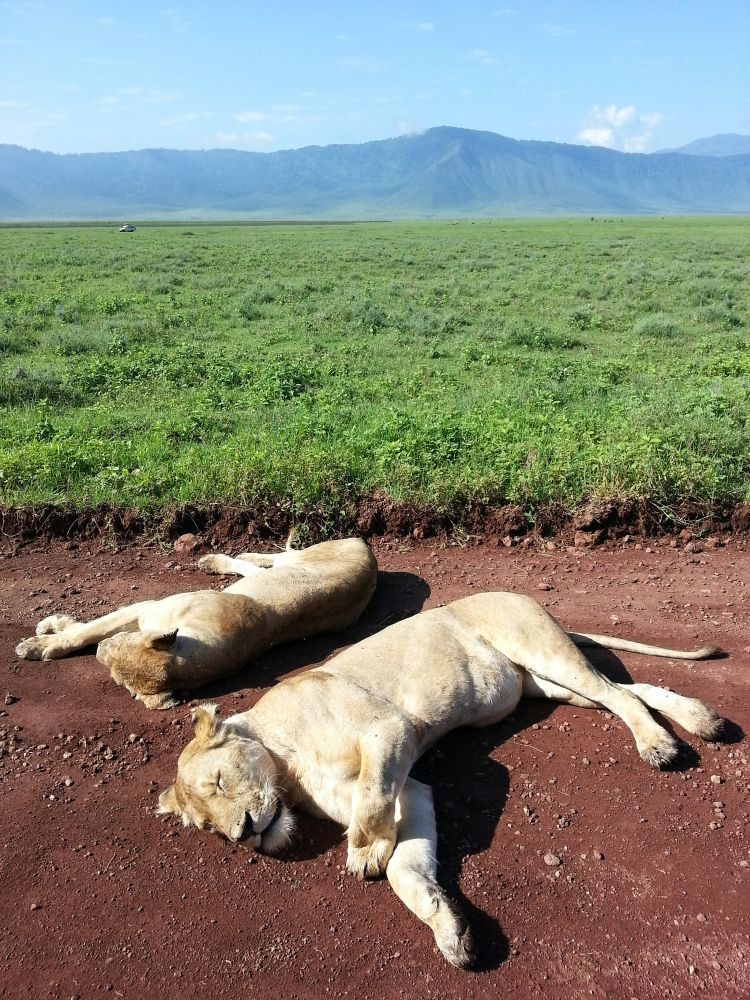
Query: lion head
(227, 782)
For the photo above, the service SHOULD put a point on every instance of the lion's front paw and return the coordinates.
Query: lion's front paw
(659, 751)
(371, 860)
(452, 935)
(41, 647)
(54, 623)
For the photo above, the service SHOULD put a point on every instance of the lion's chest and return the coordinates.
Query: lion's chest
(324, 783)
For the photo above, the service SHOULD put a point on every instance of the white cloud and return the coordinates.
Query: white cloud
(176, 20)
(558, 30)
(281, 114)
(612, 115)
(407, 126)
(109, 102)
(259, 138)
(246, 140)
(482, 57)
(185, 118)
(653, 120)
(597, 137)
(365, 64)
(160, 96)
(619, 128)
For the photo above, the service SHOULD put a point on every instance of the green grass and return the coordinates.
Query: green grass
(441, 363)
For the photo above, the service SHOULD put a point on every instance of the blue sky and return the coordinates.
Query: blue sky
(635, 75)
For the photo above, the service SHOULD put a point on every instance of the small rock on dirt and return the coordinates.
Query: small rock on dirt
(186, 544)
(552, 860)
(11, 699)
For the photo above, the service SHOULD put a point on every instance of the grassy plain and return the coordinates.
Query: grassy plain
(523, 361)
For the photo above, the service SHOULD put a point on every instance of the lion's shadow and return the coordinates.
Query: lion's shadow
(397, 595)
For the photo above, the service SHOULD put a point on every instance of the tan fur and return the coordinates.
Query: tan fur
(157, 648)
(340, 740)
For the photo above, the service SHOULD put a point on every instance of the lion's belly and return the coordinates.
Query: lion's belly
(438, 670)
(482, 687)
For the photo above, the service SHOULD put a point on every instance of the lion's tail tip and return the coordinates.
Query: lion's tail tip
(710, 653)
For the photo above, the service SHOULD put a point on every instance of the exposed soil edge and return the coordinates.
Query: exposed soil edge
(591, 523)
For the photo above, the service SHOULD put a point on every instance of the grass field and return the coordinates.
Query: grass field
(524, 361)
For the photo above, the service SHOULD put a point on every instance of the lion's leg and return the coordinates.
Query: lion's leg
(538, 687)
(266, 560)
(570, 671)
(412, 872)
(693, 715)
(227, 566)
(386, 756)
(81, 634)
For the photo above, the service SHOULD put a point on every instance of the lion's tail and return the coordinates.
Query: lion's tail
(612, 642)
(291, 538)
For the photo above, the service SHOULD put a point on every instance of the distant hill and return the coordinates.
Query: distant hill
(443, 172)
(729, 144)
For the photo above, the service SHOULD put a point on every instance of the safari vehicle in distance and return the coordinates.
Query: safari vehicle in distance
(127, 228)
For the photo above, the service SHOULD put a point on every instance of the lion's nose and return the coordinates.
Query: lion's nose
(247, 827)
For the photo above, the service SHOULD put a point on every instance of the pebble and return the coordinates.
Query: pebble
(716, 779)
(11, 699)
(598, 855)
(552, 860)
(544, 586)
(35, 906)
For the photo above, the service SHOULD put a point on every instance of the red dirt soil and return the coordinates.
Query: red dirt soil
(101, 897)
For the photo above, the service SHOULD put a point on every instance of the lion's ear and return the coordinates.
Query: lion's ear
(160, 640)
(168, 802)
(205, 721)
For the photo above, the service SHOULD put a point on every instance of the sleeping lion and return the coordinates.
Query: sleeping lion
(339, 741)
(157, 648)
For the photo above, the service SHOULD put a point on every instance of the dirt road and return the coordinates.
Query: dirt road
(651, 897)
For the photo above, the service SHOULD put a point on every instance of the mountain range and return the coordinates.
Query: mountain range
(443, 172)
(728, 144)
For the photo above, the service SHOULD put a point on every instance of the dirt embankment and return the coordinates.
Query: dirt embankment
(650, 898)
(382, 517)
